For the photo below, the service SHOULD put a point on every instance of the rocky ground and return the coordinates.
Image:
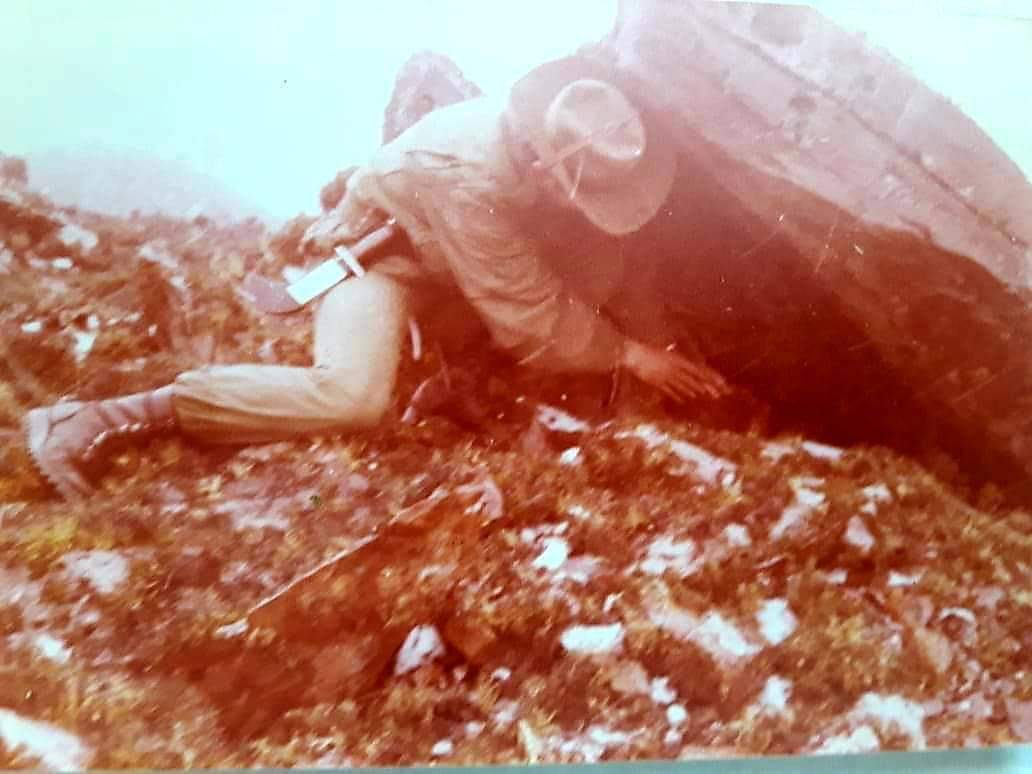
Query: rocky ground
(560, 577)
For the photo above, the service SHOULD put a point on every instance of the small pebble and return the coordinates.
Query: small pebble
(676, 714)
(444, 747)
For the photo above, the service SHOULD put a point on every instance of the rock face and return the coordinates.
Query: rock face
(13, 170)
(843, 240)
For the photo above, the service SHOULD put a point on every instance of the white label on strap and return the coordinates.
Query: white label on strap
(350, 260)
(319, 280)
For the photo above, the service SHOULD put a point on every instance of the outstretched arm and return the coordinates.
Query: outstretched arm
(531, 312)
(673, 374)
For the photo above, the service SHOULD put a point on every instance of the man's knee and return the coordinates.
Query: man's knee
(355, 397)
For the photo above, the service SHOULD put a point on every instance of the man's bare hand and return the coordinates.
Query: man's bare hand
(673, 374)
(323, 235)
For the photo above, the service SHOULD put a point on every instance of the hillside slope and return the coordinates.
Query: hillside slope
(118, 182)
(574, 580)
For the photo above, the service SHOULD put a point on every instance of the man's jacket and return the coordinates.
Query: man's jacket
(451, 185)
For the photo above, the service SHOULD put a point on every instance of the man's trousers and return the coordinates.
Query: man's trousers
(359, 330)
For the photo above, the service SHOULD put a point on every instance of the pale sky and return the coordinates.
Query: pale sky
(273, 97)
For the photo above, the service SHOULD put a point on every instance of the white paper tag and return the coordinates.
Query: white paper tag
(317, 281)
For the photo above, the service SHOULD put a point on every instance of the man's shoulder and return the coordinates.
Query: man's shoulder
(456, 128)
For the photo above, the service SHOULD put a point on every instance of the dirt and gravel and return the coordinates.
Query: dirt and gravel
(527, 572)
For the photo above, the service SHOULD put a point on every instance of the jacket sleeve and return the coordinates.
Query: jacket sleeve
(351, 219)
(524, 304)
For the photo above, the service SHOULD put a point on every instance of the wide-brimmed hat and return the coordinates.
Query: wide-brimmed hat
(602, 149)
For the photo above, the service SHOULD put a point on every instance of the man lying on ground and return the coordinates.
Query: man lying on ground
(469, 184)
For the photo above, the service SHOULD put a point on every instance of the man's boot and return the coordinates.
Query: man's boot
(63, 437)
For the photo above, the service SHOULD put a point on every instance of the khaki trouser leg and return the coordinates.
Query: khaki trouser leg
(358, 339)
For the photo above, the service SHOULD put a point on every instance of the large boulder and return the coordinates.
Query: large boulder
(840, 238)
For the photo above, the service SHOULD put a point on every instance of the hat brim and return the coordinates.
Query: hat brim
(616, 211)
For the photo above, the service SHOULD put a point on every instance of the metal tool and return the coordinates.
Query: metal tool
(279, 298)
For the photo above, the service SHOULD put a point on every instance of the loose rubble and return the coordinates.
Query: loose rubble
(51, 746)
(644, 587)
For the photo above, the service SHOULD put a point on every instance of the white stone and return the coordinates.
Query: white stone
(473, 729)
(708, 467)
(32, 326)
(822, 451)
(84, 341)
(580, 569)
(593, 639)
(579, 512)
(898, 579)
(676, 715)
(104, 570)
(155, 254)
(52, 648)
(443, 747)
(858, 535)
(894, 712)
(55, 747)
(862, 740)
(668, 548)
(501, 674)
(793, 515)
(422, 645)
(809, 497)
(660, 690)
(610, 600)
(603, 736)
(505, 712)
(722, 638)
(592, 745)
(650, 434)
(559, 421)
(571, 456)
(837, 577)
(76, 236)
(737, 535)
(711, 632)
(775, 451)
(554, 555)
(806, 500)
(229, 631)
(777, 623)
(62, 264)
(435, 571)
(665, 553)
(86, 617)
(243, 517)
(776, 693)
(653, 566)
(877, 492)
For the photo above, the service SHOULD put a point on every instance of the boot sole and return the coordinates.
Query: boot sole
(36, 429)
